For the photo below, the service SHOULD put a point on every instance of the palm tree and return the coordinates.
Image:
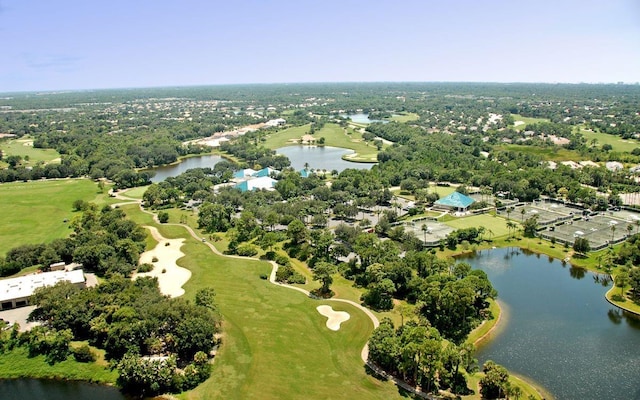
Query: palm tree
(511, 225)
(613, 231)
(509, 210)
(522, 213)
(629, 229)
(425, 229)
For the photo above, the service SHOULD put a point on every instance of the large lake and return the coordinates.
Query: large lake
(320, 157)
(23, 389)
(166, 171)
(559, 329)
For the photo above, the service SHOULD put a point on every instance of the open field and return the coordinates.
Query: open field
(526, 120)
(35, 211)
(276, 345)
(23, 147)
(496, 225)
(286, 137)
(616, 142)
(405, 117)
(547, 153)
(333, 134)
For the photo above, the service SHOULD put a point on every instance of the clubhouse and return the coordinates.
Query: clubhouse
(15, 292)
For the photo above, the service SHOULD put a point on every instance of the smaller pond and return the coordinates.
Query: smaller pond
(363, 119)
(320, 157)
(21, 389)
(166, 171)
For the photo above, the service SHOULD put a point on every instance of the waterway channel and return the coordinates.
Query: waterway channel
(559, 329)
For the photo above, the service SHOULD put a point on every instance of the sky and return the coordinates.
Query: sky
(84, 44)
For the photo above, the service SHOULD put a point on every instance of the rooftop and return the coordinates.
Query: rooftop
(24, 286)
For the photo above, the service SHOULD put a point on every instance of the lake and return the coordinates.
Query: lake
(320, 157)
(363, 119)
(559, 330)
(21, 389)
(166, 171)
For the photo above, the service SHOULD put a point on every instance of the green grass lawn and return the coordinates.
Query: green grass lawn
(35, 211)
(275, 345)
(496, 225)
(526, 120)
(286, 137)
(17, 364)
(405, 117)
(23, 147)
(547, 153)
(618, 143)
(333, 134)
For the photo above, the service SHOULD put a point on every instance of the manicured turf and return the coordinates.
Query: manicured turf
(35, 211)
(496, 225)
(23, 147)
(617, 142)
(333, 134)
(286, 136)
(526, 120)
(405, 117)
(275, 345)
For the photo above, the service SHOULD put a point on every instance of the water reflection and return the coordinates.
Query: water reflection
(561, 331)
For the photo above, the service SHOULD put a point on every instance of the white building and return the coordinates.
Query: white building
(15, 292)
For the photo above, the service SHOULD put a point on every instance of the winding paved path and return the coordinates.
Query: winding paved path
(364, 354)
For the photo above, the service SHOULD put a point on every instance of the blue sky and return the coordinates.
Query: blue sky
(85, 44)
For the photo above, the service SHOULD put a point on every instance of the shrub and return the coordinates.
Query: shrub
(83, 354)
(163, 217)
(282, 260)
(146, 267)
(247, 250)
(264, 276)
(154, 259)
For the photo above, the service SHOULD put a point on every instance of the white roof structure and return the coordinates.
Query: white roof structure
(24, 286)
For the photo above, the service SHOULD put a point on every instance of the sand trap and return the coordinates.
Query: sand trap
(334, 318)
(171, 281)
(518, 123)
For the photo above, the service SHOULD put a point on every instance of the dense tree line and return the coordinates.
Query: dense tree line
(145, 334)
(103, 241)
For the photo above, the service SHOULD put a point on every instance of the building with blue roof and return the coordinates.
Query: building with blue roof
(263, 182)
(455, 201)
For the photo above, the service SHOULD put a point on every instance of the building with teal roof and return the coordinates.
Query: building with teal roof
(455, 201)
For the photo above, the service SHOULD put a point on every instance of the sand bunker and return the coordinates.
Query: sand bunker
(171, 281)
(334, 318)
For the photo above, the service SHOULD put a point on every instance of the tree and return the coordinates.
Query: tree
(511, 226)
(530, 226)
(214, 217)
(613, 232)
(495, 382)
(297, 232)
(622, 280)
(380, 294)
(205, 297)
(581, 245)
(163, 217)
(322, 272)
(425, 229)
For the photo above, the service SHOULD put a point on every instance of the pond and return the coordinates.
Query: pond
(320, 157)
(363, 119)
(559, 329)
(20, 389)
(166, 171)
